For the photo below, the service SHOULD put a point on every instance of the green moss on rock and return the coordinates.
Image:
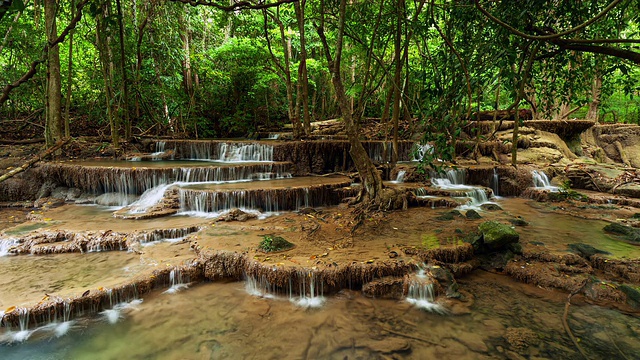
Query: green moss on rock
(272, 243)
(497, 236)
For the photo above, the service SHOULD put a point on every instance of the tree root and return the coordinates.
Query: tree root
(565, 323)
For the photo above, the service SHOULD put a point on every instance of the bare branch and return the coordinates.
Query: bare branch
(237, 5)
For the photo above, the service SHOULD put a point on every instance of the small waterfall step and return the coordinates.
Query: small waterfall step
(100, 177)
(267, 196)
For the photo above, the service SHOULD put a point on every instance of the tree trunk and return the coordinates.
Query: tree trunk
(54, 124)
(371, 180)
(123, 70)
(397, 93)
(103, 42)
(303, 77)
(596, 91)
(67, 104)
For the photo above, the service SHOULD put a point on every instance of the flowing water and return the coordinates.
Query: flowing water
(223, 321)
(541, 181)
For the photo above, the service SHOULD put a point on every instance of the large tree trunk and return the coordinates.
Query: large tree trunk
(369, 175)
(54, 123)
(397, 93)
(67, 104)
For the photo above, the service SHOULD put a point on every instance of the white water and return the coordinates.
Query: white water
(148, 199)
(451, 179)
(310, 290)
(421, 150)
(5, 245)
(541, 181)
(177, 282)
(400, 177)
(495, 183)
(231, 152)
(114, 314)
(421, 294)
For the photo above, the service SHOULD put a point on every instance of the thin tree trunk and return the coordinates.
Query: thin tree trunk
(15, 20)
(123, 69)
(596, 91)
(67, 105)
(103, 42)
(303, 77)
(395, 117)
(54, 124)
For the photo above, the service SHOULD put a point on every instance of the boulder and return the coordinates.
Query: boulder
(473, 215)
(497, 236)
(627, 232)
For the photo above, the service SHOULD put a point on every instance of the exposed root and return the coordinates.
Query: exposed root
(565, 323)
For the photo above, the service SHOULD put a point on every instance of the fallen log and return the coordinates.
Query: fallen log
(35, 159)
(21, 142)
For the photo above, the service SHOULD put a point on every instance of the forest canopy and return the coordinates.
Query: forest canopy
(188, 68)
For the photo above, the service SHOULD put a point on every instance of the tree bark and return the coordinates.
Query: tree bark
(123, 70)
(35, 159)
(596, 91)
(53, 124)
(67, 104)
(395, 117)
(369, 175)
(303, 77)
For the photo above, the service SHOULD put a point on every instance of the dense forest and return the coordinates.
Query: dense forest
(203, 69)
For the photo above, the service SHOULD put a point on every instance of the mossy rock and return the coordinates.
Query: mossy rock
(518, 221)
(633, 294)
(627, 232)
(490, 207)
(450, 215)
(473, 215)
(636, 216)
(586, 251)
(272, 243)
(497, 236)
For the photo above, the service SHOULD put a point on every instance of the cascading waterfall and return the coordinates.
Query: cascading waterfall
(148, 199)
(541, 181)
(310, 290)
(178, 281)
(421, 294)
(169, 235)
(400, 176)
(451, 179)
(160, 151)
(420, 150)
(495, 182)
(6, 244)
(259, 287)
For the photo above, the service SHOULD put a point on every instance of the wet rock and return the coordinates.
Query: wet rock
(630, 190)
(497, 236)
(385, 288)
(636, 216)
(515, 248)
(48, 202)
(490, 207)
(633, 294)
(493, 328)
(450, 215)
(629, 233)
(473, 215)
(521, 338)
(237, 215)
(389, 345)
(73, 194)
(585, 250)
(60, 192)
(519, 221)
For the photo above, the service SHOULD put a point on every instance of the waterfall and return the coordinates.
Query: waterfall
(178, 281)
(244, 152)
(310, 290)
(421, 293)
(451, 179)
(259, 287)
(419, 151)
(400, 176)
(169, 235)
(477, 197)
(495, 183)
(6, 244)
(160, 150)
(149, 198)
(540, 180)
(273, 136)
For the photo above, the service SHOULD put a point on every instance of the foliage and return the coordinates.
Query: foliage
(272, 243)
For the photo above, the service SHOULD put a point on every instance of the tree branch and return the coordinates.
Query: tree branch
(551, 36)
(237, 5)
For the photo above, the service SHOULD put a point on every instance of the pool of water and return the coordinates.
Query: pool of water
(222, 321)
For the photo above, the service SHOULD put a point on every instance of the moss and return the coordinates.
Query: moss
(272, 243)
(633, 294)
(496, 235)
(450, 215)
(636, 216)
(430, 241)
(473, 215)
(627, 232)
(586, 251)
(518, 221)
(491, 207)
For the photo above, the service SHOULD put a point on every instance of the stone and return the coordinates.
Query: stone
(586, 251)
(491, 207)
(473, 215)
(272, 243)
(237, 215)
(497, 236)
(450, 215)
(474, 342)
(629, 233)
(519, 221)
(633, 294)
(385, 288)
(630, 190)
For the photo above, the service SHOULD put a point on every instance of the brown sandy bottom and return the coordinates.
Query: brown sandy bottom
(507, 320)
(322, 240)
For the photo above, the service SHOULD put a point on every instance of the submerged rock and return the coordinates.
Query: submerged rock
(450, 215)
(586, 251)
(490, 207)
(518, 221)
(385, 288)
(497, 236)
(629, 233)
(473, 215)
